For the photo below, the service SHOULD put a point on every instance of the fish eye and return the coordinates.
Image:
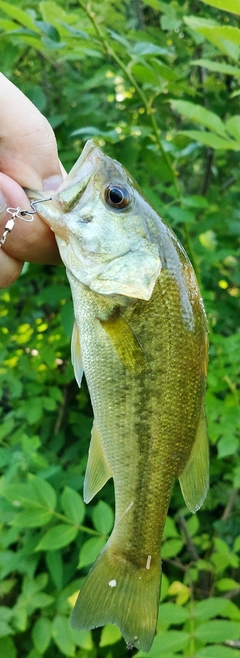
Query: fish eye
(117, 196)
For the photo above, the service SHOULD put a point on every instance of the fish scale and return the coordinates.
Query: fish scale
(133, 437)
(140, 336)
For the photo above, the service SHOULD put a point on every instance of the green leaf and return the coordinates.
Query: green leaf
(152, 3)
(31, 598)
(41, 634)
(211, 607)
(236, 545)
(170, 22)
(193, 525)
(5, 613)
(120, 38)
(19, 494)
(227, 584)
(181, 216)
(54, 294)
(218, 630)
(32, 518)
(49, 30)
(170, 529)
(144, 73)
(172, 547)
(34, 410)
(37, 96)
(6, 428)
(147, 48)
(67, 318)
(227, 445)
(103, 517)
(57, 537)
(53, 13)
(169, 641)
(55, 566)
(44, 491)
(48, 403)
(219, 67)
(199, 114)
(195, 201)
(110, 635)
(90, 551)
(34, 653)
(226, 39)
(19, 15)
(208, 240)
(232, 5)
(170, 611)
(83, 639)
(73, 505)
(209, 139)
(5, 629)
(217, 651)
(236, 480)
(62, 635)
(7, 648)
(233, 127)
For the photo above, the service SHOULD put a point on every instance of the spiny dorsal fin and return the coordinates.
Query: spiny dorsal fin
(125, 342)
(76, 354)
(97, 471)
(194, 480)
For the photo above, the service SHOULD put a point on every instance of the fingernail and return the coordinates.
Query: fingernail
(3, 201)
(52, 183)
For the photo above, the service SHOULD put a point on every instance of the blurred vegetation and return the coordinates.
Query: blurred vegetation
(157, 83)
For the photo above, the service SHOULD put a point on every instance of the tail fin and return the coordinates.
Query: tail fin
(117, 592)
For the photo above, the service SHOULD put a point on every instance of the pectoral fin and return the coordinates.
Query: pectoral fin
(194, 480)
(97, 471)
(76, 354)
(125, 343)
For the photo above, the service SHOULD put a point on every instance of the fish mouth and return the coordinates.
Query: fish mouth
(84, 167)
(71, 190)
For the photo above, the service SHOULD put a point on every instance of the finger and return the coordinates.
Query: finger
(10, 269)
(34, 241)
(28, 151)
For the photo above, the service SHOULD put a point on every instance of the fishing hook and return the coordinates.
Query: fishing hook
(17, 213)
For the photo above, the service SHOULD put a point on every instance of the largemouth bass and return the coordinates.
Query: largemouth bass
(140, 336)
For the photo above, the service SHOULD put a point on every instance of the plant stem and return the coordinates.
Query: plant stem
(191, 547)
(82, 528)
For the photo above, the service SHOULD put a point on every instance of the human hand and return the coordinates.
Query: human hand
(28, 158)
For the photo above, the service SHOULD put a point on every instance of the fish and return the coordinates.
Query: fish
(140, 336)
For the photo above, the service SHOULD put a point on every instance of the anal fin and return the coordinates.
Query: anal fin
(194, 480)
(97, 471)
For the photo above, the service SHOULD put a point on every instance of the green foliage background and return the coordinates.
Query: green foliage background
(157, 83)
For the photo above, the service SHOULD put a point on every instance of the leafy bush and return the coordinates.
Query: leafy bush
(157, 83)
